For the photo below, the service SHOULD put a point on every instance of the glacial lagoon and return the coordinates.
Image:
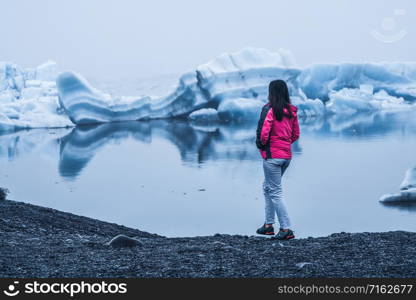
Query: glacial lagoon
(177, 178)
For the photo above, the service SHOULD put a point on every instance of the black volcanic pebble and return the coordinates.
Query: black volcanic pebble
(124, 241)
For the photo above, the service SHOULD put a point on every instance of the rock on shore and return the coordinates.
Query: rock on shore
(42, 242)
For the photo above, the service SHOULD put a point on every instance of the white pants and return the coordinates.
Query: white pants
(272, 187)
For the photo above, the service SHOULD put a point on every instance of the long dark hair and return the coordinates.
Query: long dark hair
(279, 99)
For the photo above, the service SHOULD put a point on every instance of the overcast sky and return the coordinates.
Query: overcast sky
(146, 38)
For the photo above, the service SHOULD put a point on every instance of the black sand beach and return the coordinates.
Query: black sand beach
(42, 242)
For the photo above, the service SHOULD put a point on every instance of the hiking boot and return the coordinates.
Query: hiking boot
(265, 230)
(284, 235)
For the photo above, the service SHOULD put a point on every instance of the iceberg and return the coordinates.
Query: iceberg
(409, 181)
(86, 105)
(396, 78)
(350, 101)
(29, 98)
(407, 189)
(204, 115)
(228, 81)
(308, 108)
(230, 84)
(241, 75)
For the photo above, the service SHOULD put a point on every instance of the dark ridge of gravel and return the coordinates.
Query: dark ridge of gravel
(43, 242)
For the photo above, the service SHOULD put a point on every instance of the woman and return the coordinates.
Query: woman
(277, 129)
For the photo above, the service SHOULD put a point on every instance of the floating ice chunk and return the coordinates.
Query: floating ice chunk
(308, 108)
(409, 181)
(27, 113)
(407, 189)
(402, 196)
(28, 97)
(240, 109)
(204, 115)
(85, 105)
(351, 101)
(397, 79)
(387, 102)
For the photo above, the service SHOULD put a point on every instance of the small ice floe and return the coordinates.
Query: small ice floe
(407, 191)
(204, 115)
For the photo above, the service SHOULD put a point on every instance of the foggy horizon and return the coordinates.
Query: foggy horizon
(136, 39)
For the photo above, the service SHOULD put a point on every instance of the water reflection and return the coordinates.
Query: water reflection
(80, 146)
(363, 125)
(196, 143)
(401, 205)
(199, 143)
(20, 143)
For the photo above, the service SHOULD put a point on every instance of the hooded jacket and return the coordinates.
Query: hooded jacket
(274, 138)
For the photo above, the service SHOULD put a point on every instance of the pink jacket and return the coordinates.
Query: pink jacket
(274, 138)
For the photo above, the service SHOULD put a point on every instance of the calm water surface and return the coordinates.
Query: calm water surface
(179, 179)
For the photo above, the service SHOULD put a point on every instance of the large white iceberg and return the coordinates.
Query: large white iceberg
(84, 104)
(229, 77)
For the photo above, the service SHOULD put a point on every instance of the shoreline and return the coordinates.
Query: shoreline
(43, 242)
